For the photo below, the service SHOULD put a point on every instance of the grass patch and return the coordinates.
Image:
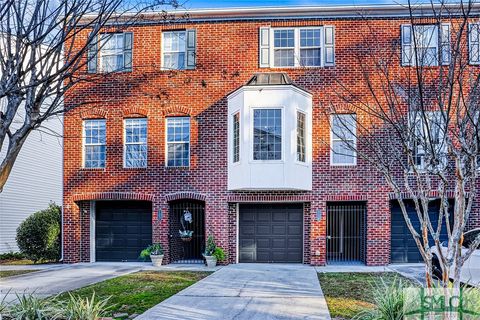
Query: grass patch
(15, 262)
(135, 293)
(349, 293)
(11, 273)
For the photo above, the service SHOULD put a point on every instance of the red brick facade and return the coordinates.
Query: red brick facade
(227, 56)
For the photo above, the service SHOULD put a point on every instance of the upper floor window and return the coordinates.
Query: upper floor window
(178, 142)
(474, 43)
(425, 45)
(236, 137)
(178, 49)
(115, 53)
(94, 143)
(297, 47)
(267, 134)
(343, 139)
(301, 146)
(135, 148)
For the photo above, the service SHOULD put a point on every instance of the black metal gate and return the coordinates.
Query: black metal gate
(346, 232)
(187, 231)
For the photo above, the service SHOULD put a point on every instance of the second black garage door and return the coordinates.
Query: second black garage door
(271, 233)
(403, 246)
(122, 229)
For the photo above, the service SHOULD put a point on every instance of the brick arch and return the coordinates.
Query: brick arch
(177, 110)
(113, 196)
(93, 113)
(185, 195)
(134, 111)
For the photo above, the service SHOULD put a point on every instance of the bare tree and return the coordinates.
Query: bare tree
(44, 52)
(415, 118)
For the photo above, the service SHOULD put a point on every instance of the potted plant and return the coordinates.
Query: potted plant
(213, 254)
(154, 252)
(186, 235)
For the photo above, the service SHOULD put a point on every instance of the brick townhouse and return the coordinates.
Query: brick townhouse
(214, 125)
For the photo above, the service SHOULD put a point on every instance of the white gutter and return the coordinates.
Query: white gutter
(378, 10)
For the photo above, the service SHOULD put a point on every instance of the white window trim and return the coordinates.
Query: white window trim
(296, 49)
(101, 54)
(131, 143)
(474, 63)
(239, 137)
(163, 52)
(305, 130)
(84, 144)
(189, 142)
(334, 164)
(282, 133)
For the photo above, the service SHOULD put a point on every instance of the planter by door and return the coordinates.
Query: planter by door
(157, 260)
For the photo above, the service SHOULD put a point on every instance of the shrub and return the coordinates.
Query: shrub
(210, 247)
(77, 308)
(12, 256)
(155, 249)
(388, 301)
(219, 254)
(29, 307)
(38, 237)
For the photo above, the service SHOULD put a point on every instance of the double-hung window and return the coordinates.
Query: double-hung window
(267, 134)
(474, 43)
(301, 146)
(178, 49)
(428, 138)
(425, 45)
(178, 141)
(343, 139)
(236, 137)
(94, 143)
(135, 148)
(115, 52)
(296, 47)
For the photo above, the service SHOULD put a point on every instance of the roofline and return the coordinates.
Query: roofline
(292, 12)
(269, 87)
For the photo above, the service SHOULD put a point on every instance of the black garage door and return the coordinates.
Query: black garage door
(403, 246)
(122, 229)
(271, 233)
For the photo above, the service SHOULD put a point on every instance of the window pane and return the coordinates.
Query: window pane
(174, 44)
(135, 143)
(344, 126)
(309, 37)
(284, 38)
(426, 44)
(236, 137)
(267, 134)
(310, 57)
(111, 52)
(342, 153)
(178, 141)
(283, 58)
(300, 137)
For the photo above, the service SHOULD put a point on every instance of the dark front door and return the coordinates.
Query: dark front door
(403, 246)
(122, 229)
(271, 233)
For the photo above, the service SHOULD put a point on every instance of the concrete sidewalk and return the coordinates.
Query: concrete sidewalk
(63, 278)
(248, 291)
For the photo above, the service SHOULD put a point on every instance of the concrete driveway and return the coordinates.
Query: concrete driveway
(63, 278)
(248, 291)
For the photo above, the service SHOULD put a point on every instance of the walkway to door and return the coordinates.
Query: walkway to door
(248, 291)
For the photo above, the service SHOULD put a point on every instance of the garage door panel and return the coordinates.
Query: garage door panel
(279, 229)
(122, 229)
(277, 233)
(279, 216)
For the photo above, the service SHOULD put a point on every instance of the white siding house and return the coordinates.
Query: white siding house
(35, 181)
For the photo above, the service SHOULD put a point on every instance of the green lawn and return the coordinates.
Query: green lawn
(137, 292)
(349, 293)
(10, 273)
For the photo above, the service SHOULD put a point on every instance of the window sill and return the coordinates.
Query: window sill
(92, 169)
